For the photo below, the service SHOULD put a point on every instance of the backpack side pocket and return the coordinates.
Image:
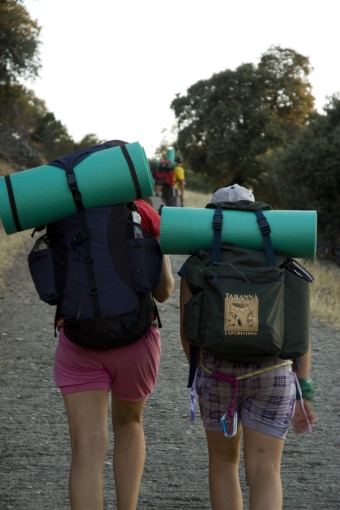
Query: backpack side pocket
(296, 317)
(146, 263)
(41, 266)
(192, 319)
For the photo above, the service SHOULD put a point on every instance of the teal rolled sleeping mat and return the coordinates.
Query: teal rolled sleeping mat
(186, 230)
(41, 195)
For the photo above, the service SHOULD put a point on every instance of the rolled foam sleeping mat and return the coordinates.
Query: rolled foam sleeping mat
(41, 195)
(186, 230)
(170, 154)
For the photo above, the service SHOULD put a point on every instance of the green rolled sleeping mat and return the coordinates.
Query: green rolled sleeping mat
(186, 230)
(170, 154)
(41, 195)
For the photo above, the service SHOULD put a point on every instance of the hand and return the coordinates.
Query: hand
(299, 421)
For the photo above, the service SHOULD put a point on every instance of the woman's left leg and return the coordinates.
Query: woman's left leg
(262, 456)
(87, 418)
(129, 451)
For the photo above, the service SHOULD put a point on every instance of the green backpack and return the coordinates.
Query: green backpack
(247, 305)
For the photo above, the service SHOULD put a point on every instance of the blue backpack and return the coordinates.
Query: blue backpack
(93, 268)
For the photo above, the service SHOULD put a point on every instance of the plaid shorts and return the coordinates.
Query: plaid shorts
(265, 401)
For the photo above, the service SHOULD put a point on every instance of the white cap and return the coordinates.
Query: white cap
(232, 194)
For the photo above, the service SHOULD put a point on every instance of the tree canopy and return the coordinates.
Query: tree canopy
(228, 121)
(308, 171)
(29, 133)
(19, 42)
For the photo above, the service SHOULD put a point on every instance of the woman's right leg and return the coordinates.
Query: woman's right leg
(87, 418)
(224, 457)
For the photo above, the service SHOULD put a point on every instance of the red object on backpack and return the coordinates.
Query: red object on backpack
(165, 173)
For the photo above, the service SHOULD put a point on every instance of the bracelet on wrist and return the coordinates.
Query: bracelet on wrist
(307, 389)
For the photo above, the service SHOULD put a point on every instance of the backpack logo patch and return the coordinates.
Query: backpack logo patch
(241, 314)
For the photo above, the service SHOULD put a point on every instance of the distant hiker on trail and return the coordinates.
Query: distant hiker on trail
(179, 179)
(257, 399)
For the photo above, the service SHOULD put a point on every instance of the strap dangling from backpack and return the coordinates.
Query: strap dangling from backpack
(192, 364)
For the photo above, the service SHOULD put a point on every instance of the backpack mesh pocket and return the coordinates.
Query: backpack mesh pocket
(41, 266)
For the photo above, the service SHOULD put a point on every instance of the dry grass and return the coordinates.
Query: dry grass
(194, 199)
(325, 291)
(5, 167)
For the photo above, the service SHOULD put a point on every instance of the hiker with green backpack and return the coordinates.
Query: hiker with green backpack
(244, 330)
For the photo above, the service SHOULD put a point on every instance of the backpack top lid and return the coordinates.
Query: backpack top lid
(240, 205)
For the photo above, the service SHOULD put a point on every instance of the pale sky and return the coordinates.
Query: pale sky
(113, 67)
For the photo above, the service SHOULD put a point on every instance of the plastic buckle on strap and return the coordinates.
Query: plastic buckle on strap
(94, 291)
(80, 236)
(72, 181)
(217, 221)
(264, 225)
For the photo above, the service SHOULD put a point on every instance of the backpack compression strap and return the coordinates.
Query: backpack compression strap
(217, 226)
(265, 231)
(12, 203)
(263, 226)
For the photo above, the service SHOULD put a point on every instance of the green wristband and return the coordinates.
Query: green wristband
(307, 389)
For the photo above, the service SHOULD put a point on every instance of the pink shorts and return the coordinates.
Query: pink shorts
(129, 372)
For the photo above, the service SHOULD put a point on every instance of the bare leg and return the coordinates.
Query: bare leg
(224, 457)
(262, 455)
(129, 451)
(87, 418)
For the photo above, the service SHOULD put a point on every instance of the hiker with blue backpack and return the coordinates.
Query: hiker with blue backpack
(229, 310)
(86, 377)
(103, 269)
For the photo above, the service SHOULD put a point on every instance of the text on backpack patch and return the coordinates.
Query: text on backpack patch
(241, 314)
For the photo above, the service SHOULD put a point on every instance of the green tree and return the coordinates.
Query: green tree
(20, 109)
(226, 123)
(29, 133)
(308, 171)
(87, 141)
(18, 42)
(53, 136)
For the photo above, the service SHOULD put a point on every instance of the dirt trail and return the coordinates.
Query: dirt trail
(34, 446)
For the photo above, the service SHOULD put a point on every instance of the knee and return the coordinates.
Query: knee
(127, 414)
(262, 469)
(231, 457)
(91, 446)
(123, 422)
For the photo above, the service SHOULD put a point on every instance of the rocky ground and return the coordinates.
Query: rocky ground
(34, 446)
